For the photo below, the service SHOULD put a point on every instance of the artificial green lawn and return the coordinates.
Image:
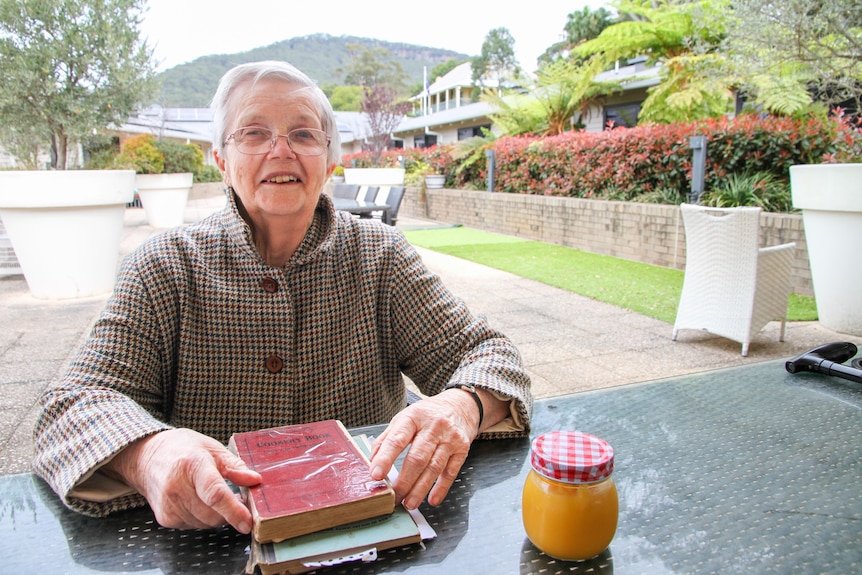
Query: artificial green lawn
(643, 288)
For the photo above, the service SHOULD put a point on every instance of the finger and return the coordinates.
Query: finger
(430, 474)
(220, 503)
(446, 479)
(234, 469)
(417, 463)
(175, 510)
(391, 443)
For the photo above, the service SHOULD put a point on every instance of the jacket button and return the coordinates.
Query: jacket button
(269, 285)
(274, 364)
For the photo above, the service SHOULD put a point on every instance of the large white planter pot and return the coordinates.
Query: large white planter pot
(65, 228)
(830, 197)
(164, 197)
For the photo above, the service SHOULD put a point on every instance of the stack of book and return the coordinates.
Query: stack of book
(317, 503)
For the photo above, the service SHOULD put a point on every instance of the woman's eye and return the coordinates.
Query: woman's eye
(256, 133)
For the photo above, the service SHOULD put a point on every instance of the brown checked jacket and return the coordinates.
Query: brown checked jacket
(201, 333)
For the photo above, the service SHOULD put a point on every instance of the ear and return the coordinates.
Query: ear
(220, 162)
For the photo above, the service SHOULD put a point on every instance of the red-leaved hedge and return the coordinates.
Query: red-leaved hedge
(626, 162)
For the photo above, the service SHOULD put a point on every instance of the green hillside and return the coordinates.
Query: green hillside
(320, 56)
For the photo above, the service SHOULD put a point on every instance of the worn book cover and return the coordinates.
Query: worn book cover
(313, 477)
(359, 541)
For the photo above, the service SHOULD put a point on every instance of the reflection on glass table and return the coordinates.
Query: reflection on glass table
(749, 469)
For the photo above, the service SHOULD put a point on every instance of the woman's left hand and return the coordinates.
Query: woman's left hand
(440, 429)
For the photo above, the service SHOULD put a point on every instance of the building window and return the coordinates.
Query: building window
(465, 133)
(425, 140)
(622, 115)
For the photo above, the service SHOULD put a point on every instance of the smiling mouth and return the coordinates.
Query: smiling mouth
(282, 180)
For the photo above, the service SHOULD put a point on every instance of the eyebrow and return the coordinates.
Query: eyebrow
(303, 121)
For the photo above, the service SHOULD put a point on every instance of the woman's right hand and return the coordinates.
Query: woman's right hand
(182, 474)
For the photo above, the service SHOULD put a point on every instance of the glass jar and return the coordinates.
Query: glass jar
(569, 503)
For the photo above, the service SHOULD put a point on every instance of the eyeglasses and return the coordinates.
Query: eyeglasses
(303, 141)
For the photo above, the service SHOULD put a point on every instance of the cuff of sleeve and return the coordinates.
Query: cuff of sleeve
(513, 424)
(99, 488)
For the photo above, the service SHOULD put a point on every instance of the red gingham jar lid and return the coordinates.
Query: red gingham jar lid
(572, 457)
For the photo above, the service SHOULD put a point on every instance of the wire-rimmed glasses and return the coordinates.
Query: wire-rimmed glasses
(255, 140)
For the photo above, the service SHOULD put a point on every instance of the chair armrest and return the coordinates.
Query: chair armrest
(774, 257)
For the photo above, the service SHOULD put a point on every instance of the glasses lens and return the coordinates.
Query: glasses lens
(303, 141)
(253, 140)
(307, 141)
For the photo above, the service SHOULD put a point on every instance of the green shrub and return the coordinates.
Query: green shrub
(761, 189)
(105, 159)
(208, 173)
(180, 158)
(141, 154)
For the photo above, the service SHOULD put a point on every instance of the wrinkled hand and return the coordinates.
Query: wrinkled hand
(182, 475)
(441, 429)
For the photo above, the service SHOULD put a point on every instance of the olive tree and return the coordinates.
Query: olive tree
(70, 68)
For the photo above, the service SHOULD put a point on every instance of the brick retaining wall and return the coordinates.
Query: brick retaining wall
(649, 233)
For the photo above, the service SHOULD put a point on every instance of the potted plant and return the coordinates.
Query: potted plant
(830, 197)
(423, 173)
(435, 181)
(93, 72)
(338, 174)
(165, 174)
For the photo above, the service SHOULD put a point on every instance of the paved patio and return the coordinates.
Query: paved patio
(570, 343)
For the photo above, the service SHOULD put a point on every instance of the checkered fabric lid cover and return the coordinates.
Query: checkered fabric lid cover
(572, 457)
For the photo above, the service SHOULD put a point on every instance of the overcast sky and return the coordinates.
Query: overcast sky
(182, 30)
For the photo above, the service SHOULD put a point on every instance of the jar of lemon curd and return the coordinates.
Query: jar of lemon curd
(569, 503)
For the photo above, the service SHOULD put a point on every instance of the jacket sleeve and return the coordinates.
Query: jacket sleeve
(441, 343)
(108, 398)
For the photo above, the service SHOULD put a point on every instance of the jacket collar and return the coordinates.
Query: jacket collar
(318, 240)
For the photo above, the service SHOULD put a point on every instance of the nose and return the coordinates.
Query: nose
(284, 149)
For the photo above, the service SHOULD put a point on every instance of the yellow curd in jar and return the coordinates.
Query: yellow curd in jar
(569, 503)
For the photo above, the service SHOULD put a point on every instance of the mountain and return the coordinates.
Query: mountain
(320, 56)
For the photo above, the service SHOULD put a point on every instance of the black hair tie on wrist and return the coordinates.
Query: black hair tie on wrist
(475, 394)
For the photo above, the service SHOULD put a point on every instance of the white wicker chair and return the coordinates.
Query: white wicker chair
(732, 288)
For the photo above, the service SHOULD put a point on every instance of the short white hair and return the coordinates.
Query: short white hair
(223, 107)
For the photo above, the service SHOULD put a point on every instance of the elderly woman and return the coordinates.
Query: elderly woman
(276, 310)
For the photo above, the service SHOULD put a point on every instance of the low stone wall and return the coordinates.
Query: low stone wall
(649, 233)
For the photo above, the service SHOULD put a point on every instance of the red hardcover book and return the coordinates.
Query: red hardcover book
(313, 477)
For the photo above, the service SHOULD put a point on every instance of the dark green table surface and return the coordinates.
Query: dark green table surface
(744, 470)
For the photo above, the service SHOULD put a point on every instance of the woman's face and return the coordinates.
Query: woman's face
(278, 183)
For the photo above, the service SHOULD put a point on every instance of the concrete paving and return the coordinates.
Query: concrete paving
(569, 343)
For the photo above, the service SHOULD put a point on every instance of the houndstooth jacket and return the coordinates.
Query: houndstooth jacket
(201, 333)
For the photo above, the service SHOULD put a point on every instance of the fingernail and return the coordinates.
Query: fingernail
(244, 527)
(377, 472)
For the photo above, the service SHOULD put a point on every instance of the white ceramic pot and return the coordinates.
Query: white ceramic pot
(830, 197)
(164, 197)
(435, 181)
(65, 228)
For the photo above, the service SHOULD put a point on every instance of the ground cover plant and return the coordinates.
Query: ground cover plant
(650, 290)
